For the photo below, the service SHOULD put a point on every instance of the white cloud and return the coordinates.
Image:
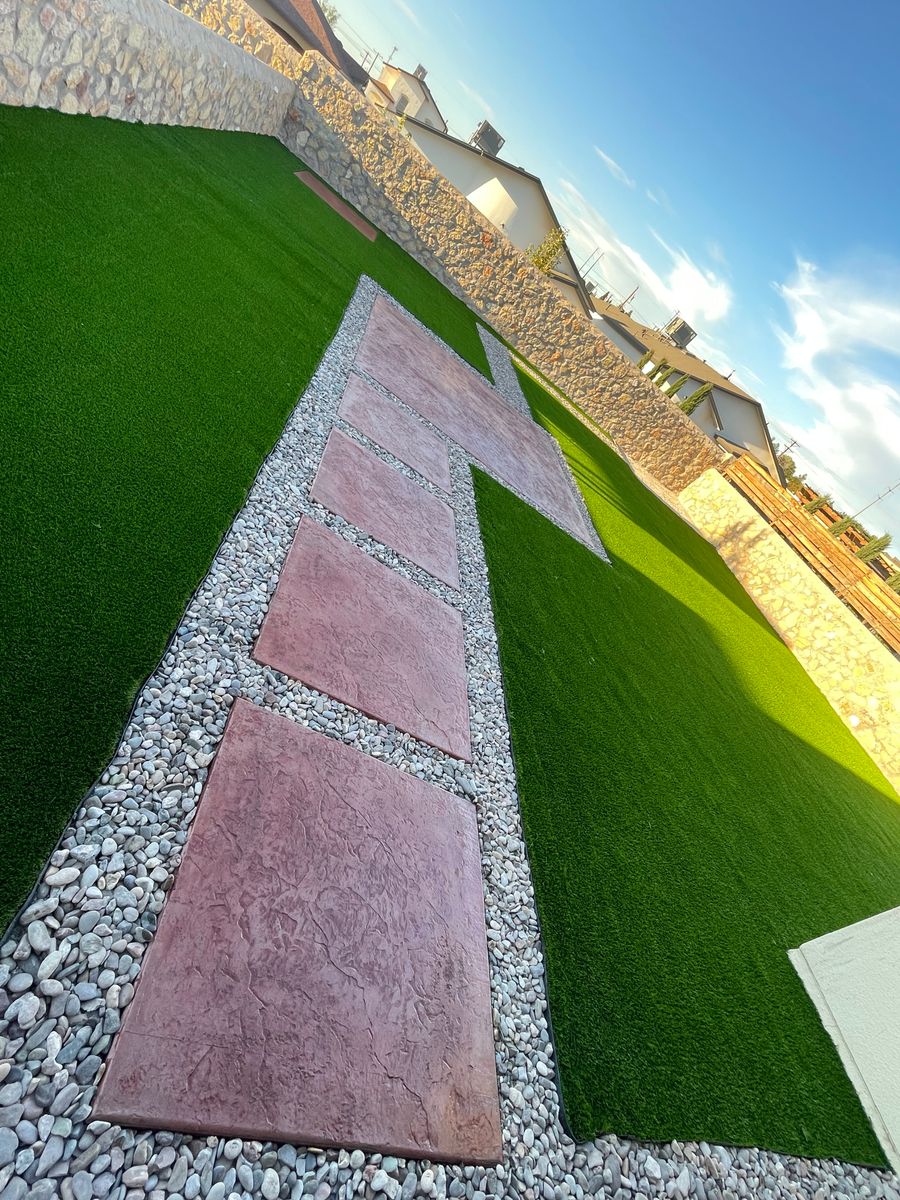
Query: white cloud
(660, 197)
(614, 169)
(843, 329)
(478, 99)
(700, 295)
(410, 14)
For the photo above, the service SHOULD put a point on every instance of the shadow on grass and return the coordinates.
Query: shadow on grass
(683, 836)
(612, 490)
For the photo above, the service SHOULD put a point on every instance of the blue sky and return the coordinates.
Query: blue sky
(738, 162)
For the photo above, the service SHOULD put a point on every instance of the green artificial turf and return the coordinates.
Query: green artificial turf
(165, 297)
(693, 808)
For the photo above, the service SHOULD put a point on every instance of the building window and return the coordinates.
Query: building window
(400, 106)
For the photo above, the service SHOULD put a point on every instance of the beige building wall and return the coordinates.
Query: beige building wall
(418, 102)
(468, 171)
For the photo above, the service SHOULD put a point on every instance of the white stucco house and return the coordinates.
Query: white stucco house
(407, 94)
(510, 197)
(731, 416)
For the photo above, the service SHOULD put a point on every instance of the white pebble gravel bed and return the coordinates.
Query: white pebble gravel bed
(506, 381)
(69, 966)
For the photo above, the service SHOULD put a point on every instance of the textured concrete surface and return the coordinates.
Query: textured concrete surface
(363, 155)
(349, 626)
(341, 207)
(320, 975)
(434, 383)
(386, 424)
(853, 977)
(370, 494)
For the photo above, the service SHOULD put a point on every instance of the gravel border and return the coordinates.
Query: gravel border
(69, 967)
(506, 381)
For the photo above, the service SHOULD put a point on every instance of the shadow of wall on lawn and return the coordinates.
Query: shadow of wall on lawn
(607, 483)
(683, 835)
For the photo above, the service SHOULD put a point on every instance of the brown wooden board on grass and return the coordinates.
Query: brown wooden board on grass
(855, 583)
(341, 207)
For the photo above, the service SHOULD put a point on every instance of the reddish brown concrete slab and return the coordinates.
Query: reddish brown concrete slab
(341, 207)
(354, 483)
(396, 431)
(424, 375)
(320, 974)
(344, 623)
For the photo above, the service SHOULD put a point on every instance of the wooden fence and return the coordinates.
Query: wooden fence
(856, 584)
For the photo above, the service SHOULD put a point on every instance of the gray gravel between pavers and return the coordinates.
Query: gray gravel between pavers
(506, 381)
(69, 971)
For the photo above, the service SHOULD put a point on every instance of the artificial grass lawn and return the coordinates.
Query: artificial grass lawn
(165, 297)
(693, 808)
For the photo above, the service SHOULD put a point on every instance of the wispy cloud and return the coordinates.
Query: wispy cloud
(843, 330)
(410, 14)
(477, 99)
(614, 169)
(660, 197)
(699, 294)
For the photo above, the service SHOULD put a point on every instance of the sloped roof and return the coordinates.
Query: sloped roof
(686, 363)
(683, 361)
(429, 95)
(575, 279)
(305, 22)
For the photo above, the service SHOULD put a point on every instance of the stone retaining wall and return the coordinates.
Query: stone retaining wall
(365, 157)
(144, 60)
(857, 673)
(135, 60)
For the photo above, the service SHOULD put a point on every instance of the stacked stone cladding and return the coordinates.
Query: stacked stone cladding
(144, 60)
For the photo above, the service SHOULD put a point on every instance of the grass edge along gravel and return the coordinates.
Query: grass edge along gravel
(693, 808)
(166, 296)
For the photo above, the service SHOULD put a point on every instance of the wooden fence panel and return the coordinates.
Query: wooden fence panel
(856, 584)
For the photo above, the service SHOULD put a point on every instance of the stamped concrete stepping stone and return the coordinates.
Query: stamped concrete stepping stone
(341, 207)
(427, 377)
(396, 431)
(344, 623)
(320, 973)
(354, 483)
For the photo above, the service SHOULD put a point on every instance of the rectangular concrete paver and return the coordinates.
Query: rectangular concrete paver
(344, 623)
(424, 375)
(341, 207)
(396, 431)
(320, 974)
(354, 483)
